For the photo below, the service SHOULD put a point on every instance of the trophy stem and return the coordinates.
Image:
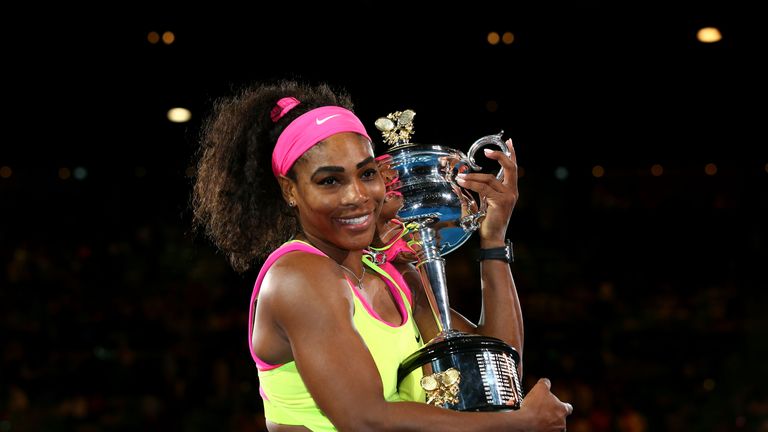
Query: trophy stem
(432, 271)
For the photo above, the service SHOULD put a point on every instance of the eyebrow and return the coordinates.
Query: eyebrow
(364, 162)
(338, 169)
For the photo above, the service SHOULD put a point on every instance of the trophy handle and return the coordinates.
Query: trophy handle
(471, 222)
(482, 142)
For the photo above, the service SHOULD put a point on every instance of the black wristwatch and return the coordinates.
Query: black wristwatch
(503, 253)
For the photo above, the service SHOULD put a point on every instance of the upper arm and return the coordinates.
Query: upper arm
(314, 309)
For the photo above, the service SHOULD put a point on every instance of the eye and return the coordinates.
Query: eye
(370, 173)
(327, 181)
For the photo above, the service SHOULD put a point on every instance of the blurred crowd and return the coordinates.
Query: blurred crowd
(644, 304)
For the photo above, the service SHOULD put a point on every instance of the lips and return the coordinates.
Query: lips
(355, 221)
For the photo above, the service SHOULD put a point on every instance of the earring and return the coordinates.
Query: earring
(291, 203)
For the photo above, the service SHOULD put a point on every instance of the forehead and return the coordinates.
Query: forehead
(343, 149)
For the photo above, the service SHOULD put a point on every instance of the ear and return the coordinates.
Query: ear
(288, 187)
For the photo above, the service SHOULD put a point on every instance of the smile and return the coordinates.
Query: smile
(355, 221)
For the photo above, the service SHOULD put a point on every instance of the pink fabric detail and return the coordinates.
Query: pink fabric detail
(279, 252)
(392, 183)
(261, 364)
(399, 280)
(397, 245)
(398, 299)
(400, 245)
(262, 393)
(309, 129)
(282, 107)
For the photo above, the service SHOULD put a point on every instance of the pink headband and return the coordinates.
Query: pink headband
(307, 130)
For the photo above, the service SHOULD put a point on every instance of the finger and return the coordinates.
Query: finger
(480, 177)
(508, 164)
(482, 188)
(508, 143)
(568, 408)
(481, 183)
(546, 382)
(499, 155)
(510, 146)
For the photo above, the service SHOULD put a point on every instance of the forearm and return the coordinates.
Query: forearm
(413, 416)
(501, 315)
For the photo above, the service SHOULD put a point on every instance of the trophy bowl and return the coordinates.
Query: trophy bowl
(426, 179)
(425, 176)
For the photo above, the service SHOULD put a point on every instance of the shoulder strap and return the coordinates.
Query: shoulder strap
(390, 272)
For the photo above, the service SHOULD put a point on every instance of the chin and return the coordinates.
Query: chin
(362, 241)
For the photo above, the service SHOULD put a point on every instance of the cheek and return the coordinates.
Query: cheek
(314, 201)
(318, 206)
(377, 190)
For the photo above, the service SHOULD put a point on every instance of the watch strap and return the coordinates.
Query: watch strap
(503, 253)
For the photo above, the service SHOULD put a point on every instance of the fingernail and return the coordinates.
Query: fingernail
(487, 151)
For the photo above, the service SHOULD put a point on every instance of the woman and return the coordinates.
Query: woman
(327, 334)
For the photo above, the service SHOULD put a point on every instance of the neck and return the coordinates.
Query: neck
(349, 258)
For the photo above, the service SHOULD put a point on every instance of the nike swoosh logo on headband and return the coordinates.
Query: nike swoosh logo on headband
(319, 121)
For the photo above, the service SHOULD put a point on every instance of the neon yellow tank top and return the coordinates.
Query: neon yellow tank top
(286, 398)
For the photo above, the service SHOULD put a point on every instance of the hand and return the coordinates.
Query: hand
(544, 409)
(500, 196)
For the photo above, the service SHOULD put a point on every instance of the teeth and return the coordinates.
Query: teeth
(354, 221)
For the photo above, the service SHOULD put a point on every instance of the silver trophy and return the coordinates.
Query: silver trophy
(461, 371)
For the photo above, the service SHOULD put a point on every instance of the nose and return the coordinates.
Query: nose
(356, 193)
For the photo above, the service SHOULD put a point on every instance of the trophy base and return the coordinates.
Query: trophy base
(466, 372)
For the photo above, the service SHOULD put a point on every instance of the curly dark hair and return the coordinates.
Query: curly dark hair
(236, 199)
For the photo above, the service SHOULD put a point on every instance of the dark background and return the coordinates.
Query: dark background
(644, 296)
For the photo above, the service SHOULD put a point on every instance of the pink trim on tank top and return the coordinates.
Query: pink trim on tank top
(304, 247)
(392, 271)
(279, 252)
(263, 393)
(398, 298)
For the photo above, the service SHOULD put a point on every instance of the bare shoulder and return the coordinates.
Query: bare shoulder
(300, 280)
